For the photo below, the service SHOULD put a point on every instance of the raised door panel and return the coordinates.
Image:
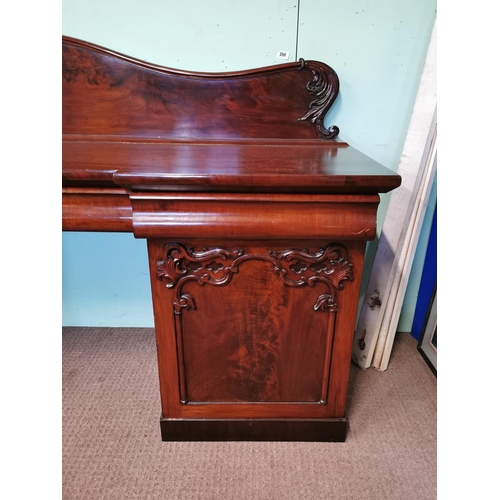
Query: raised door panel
(255, 340)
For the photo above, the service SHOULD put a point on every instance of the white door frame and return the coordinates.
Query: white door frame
(381, 308)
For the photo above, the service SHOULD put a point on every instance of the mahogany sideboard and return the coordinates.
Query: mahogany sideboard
(256, 218)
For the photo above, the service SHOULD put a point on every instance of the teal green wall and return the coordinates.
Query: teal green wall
(377, 47)
(105, 280)
(198, 35)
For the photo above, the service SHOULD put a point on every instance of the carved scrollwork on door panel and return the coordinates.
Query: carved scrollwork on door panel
(216, 266)
(181, 264)
(301, 267)
(329, 265)
(210, 265)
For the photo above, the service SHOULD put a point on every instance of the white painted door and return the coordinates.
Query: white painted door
(391, 268)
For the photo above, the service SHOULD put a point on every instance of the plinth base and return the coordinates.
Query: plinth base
(286, 429)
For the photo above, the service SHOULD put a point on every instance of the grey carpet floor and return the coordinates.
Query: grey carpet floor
(112, 447)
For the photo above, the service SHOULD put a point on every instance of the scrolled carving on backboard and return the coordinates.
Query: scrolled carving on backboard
(216, 266)
(324, 87)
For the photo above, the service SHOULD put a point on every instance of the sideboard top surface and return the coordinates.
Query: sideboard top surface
(227, 167)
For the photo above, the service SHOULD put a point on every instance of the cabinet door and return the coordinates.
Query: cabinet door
(252, 330)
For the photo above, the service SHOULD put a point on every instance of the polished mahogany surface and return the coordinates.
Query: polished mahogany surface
(131, 124)
(117, 95)
(256, 218)
(286, 167)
